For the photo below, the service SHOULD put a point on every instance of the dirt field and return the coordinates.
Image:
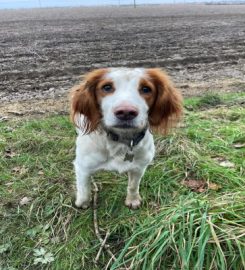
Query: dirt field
(43, 51)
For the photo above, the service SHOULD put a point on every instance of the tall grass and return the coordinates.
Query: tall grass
(193, 232)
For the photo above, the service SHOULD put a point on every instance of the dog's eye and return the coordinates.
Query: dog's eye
(145, 90)
(107, 88)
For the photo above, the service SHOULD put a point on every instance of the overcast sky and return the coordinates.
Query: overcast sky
(62, 3)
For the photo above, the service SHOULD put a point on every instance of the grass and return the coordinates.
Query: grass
(176, 228)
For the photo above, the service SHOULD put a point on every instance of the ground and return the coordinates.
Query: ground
(43, 51)
(192, 214)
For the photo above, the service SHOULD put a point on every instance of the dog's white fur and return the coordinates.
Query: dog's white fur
(95, 150)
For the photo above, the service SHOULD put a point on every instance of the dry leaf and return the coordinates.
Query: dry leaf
(214, 186)
(217, 158)
(200, 190)
(239, 145)
(16, 169)
(9, 184)
(3, 118)
(9, 153)
(196, 185)
(223, 162)
(16, 113)
(25, 201)
(227, 164)
(20, 170)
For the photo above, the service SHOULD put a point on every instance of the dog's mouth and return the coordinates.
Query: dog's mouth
(129, 125)
(125, 130)
(122, 126)
(125, 125)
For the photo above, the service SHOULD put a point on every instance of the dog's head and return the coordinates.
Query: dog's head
(124, 99)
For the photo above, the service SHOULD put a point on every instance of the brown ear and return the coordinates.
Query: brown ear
(84, 102)
(167, 107)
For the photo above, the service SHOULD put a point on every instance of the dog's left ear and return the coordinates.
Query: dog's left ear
(167, 107)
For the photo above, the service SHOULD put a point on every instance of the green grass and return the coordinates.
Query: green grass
(176, 228)
(212, 100)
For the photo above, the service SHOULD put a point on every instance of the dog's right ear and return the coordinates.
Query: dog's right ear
(85, 110)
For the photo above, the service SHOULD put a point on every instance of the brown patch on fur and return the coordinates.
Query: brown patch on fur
(166, 109)
(84, 101)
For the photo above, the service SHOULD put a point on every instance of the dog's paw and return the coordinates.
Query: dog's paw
(83, 204)
(133, 201)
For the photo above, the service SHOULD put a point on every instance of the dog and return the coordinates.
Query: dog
(115, 111)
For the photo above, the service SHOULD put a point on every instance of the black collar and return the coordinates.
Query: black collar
(130, 142)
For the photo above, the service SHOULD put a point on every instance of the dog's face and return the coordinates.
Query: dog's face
(123, 96)
(124, 99)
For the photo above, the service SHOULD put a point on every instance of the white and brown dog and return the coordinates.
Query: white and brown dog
(115, 110)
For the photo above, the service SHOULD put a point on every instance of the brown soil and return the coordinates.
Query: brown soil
(43, 51)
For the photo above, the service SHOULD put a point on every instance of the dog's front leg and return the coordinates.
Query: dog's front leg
(133, 198)
(83, 184)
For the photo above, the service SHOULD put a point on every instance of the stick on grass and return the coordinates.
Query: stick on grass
(97, 230)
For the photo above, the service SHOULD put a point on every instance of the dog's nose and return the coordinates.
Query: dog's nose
(126, 113)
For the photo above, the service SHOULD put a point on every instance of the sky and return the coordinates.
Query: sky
(63, 3)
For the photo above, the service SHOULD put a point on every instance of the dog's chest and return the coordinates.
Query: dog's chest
(120, 158)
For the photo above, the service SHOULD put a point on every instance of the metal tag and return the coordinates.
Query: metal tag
(129, 157)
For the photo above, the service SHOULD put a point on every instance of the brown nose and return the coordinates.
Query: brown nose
(126, 113)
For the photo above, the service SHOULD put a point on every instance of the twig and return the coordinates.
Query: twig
(101, 247)
(96, 228)
(108, 264)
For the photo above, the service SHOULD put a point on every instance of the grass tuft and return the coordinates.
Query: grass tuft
(210, 100)
(176, 228)
(193, 232)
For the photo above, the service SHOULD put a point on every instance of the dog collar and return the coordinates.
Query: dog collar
(129, 142)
